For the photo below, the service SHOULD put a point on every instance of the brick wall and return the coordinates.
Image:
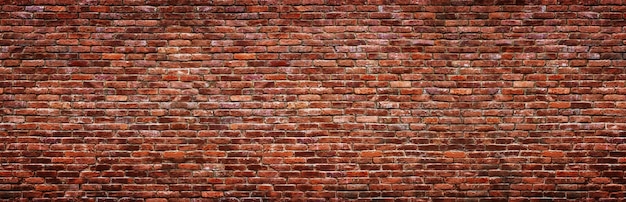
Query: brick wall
(245, 100)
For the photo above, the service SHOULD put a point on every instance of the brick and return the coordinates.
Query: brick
(461, 91)
(212, 194)
(244, 56)
(174, 154)
(371, 153)
(369, 119)
(338, 100)
(560, 105)
(365, 90)
(241, 98)
(523, 84)
(400, 84)
(553, 153)
(454, 154)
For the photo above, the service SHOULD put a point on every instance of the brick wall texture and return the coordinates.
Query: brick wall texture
(319, 100)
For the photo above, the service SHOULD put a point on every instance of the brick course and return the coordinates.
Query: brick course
(344, 100)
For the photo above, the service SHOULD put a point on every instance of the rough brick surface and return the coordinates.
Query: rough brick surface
(246, 100)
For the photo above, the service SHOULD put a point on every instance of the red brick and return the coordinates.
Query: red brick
(371, 154)
(244, 56)
(338, 100)
(523, 84)
(552, 153)
(400, 84)
(365, 91)
(174, 154)
(454, 154)
(212, 194)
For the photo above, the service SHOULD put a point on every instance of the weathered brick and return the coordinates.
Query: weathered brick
(317, 100)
